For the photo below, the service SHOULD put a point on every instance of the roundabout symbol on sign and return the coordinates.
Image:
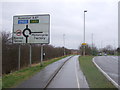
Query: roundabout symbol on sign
(27, 35)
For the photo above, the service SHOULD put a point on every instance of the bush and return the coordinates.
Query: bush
(10, 53)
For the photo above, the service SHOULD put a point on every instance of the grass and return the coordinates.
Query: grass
(11, 80)
(94, 77)
(0, 82)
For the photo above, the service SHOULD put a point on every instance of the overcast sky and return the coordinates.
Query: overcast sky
(67, 18)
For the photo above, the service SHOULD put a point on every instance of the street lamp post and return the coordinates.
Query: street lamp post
(84, 32)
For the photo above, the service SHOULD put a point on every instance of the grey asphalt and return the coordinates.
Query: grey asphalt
(41, 78)
(108, 64)
(70, 76)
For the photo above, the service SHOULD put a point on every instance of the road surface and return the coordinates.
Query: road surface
(109, 64)
(70, 76)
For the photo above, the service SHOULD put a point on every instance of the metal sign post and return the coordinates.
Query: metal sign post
(84, 51)
(19, 54)
(84, 45)
(30, 54)
(41, 62)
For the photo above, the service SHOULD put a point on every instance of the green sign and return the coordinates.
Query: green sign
(34, 21)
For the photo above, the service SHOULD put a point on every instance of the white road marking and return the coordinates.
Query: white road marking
(77, 74)
(114, 57)
(107, 76)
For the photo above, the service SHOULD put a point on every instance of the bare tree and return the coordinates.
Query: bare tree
(10, 53)
(89, 50)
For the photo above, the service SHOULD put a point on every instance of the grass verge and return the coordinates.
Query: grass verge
(0, 82)
(11, 80)
(94, 77)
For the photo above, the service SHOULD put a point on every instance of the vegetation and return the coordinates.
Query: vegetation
(109, 50)
(88, 50)
(92, 50)
(10, 53)
(12, 79)
(118, 50)
(94, 77)
(0, 83)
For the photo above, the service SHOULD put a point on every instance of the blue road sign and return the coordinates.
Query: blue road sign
(22, 21)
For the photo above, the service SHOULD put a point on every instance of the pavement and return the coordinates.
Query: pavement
(109, 65)
(70, 76)
(40, 79)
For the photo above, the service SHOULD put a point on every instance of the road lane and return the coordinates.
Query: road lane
(70, 76)
(109, 64)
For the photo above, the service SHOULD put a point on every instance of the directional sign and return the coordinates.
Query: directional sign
(31, 29)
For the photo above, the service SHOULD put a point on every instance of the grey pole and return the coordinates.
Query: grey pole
(114, 47)
(41, 63)
(30, 55)
(92, 44)
(19, 54)
(84, 32)
(64, 43)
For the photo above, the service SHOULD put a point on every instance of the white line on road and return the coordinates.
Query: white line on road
(114, 57)
(107, 76)
(77, 74)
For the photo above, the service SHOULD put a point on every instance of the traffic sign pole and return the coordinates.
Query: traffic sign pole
(30, 54)
(19, 54)
(41, 63)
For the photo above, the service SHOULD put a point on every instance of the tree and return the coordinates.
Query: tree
(10, 53)
(88, 50)
(108, 49)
